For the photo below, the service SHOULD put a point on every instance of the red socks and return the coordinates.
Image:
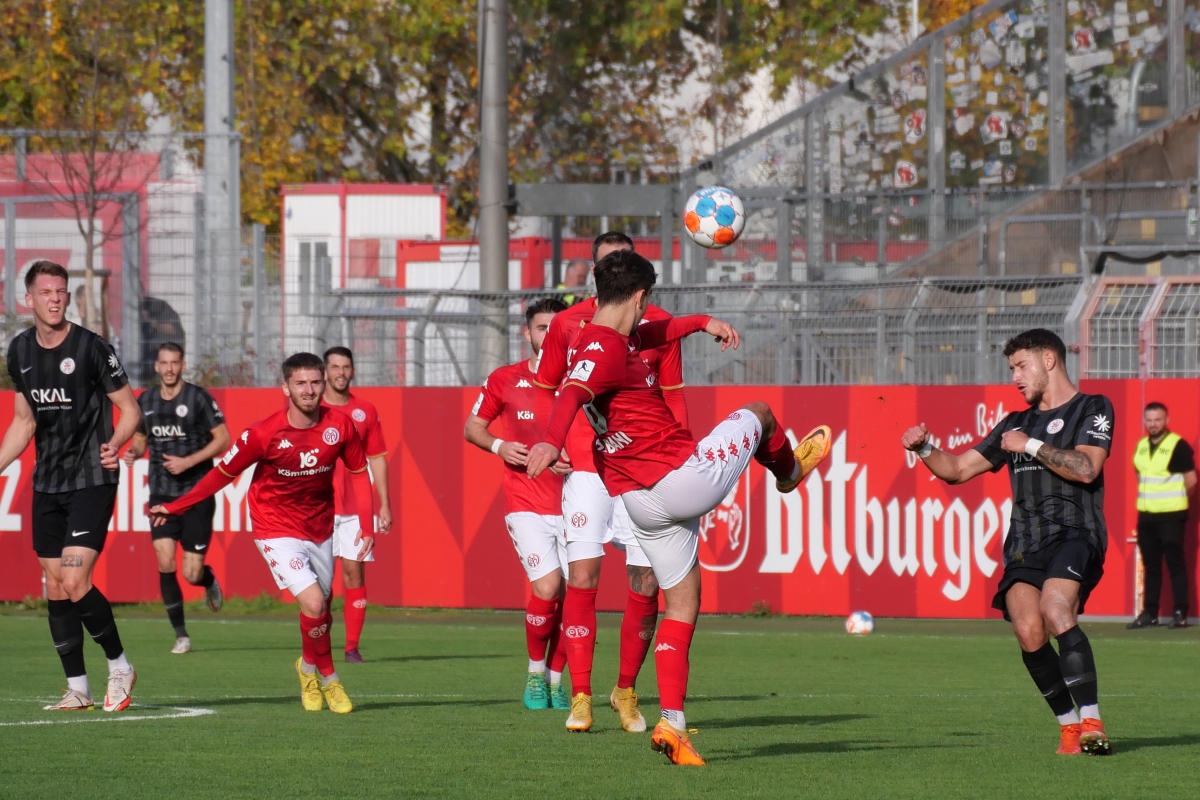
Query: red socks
(540, 622)
(776, 455)
(579, 636)
(637, 631)
(671, 662)
(355, 613)
(316, 643)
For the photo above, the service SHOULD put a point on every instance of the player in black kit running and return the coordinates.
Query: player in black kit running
(183, 429)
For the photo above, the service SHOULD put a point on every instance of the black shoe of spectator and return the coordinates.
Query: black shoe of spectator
(1179, 620)
(1143, 620)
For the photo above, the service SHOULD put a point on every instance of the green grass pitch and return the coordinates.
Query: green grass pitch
(782, 707)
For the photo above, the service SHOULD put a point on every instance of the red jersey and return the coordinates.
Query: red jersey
(637, 438)
(291, 493)
(510, 395)
(365, 418)
(666, 362)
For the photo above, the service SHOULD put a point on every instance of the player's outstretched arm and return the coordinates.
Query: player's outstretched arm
(947, 466)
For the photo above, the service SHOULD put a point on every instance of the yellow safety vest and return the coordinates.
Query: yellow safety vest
(1159, 490)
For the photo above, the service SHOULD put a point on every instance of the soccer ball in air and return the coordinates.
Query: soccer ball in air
(860, 623)
(714, 216)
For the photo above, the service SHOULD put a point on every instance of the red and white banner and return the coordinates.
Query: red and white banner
(869, 529)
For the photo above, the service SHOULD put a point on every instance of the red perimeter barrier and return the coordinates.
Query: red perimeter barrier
(870, 529)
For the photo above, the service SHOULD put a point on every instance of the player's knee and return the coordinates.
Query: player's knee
(765, 418)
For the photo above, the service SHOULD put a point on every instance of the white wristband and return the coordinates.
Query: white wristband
(496, 446)
(1032, 446)
(925, 450)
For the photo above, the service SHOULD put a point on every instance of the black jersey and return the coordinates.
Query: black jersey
(177, 427)
(1047, 509)
(67, 388)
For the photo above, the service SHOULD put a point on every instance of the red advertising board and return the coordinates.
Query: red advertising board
(869, 529)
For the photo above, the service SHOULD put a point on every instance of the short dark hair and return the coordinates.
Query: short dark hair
(1036, 339)
(298, 361)
(44, 267)
(547, 305)
(170, 347)
(337, 350)
(621, 273)
(610, 237)
(1155, 406)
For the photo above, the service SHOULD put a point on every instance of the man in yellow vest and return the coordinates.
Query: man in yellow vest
(574, 282)
(1166, 468)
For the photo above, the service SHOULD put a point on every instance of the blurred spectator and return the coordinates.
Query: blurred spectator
(160, 324)
(574, 282)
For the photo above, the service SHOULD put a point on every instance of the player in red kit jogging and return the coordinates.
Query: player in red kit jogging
(339, 372)
(592, 517)
(532, 509)
(291, 510)
(666, 478)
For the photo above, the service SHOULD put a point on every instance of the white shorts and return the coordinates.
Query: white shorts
(538, 541)
(345, 529)
(297, 564)
(666, 516)
(592, 517)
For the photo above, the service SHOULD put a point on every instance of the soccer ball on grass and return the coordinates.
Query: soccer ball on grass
(860, 623)
(714, 216)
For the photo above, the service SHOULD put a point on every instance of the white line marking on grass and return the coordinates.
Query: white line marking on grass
(89, 716)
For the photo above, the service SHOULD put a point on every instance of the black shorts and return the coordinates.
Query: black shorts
(1073, 560)
(72, 519)
(193, 528)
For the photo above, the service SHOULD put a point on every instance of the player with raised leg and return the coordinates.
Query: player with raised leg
(666, 478)
(592, 517)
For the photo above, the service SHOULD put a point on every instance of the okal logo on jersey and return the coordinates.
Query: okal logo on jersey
(308, 458)
(67, 366)
(165, 431)
(331, 436)
(47, 396)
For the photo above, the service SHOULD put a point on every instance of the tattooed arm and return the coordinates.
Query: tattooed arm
(1081, 463)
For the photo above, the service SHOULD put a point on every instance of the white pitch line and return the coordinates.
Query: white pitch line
(76, 717)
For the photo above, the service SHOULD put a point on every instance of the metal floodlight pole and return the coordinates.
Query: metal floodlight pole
(221, 223)
(493, 181)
